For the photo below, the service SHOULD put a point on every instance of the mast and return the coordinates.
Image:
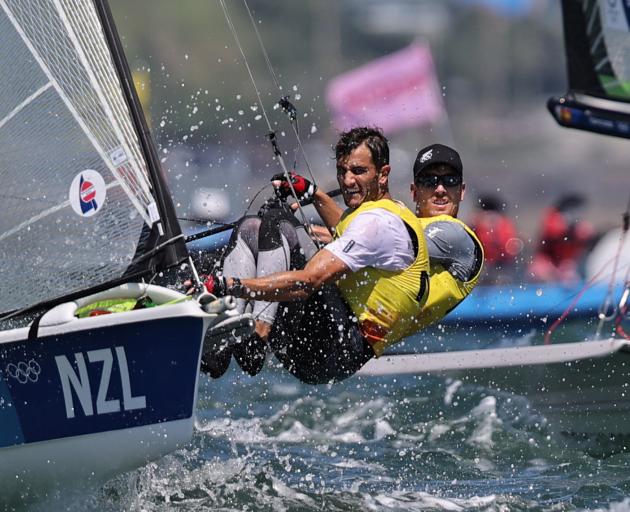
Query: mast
(165, 232)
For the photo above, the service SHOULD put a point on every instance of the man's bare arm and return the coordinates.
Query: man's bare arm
(329, 211)
(323, 268)
(321, 233)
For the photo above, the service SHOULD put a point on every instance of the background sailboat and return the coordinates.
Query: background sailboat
(597, 43)
(579, 387)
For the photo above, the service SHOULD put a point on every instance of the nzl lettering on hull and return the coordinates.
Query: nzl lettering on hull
(94, 381)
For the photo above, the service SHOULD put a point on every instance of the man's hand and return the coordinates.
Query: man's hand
(304, 189)
(216, 285)
(213, 283)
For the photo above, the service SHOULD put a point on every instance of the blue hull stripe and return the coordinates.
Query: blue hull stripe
(10, 430)
(98, 380)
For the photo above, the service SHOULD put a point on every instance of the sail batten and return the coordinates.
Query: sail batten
(42, 215)
(28, 100)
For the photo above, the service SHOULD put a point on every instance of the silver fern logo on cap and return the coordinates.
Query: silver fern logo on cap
(426, 156)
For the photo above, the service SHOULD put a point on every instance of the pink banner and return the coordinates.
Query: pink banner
(394, 92)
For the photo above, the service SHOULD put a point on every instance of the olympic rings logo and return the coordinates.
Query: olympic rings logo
(24, 372)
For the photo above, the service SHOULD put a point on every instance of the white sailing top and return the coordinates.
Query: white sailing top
(375, 238)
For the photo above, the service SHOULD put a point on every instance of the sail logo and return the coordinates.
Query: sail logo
(88, 196)
(78, 384)
(87, 193)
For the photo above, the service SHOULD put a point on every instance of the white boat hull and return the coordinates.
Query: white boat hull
(85, 399)
(37, 470)
(582, 389)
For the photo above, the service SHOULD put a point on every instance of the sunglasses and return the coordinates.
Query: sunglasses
(433, 180)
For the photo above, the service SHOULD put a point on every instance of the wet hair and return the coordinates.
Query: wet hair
(372, 137)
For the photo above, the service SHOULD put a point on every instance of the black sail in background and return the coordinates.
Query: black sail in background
(597, 47)
(580, 61)
(84, 203)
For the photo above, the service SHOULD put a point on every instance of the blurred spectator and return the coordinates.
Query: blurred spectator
(499, 237)
(564, 240)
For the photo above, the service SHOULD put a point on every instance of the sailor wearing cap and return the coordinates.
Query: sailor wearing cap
(351, 299)
(455, 252)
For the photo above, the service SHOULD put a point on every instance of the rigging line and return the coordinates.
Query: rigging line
(196, 278)
(271, 135)
(207, 222)
(262, 46)
(249, 206)
(245, 61)
(623, 312)
(576, 299)
(157, 249)
(603, 314)
(253, 199)
(291, 111)
(624, 304)
(293, 114)
(225, 227)
(284, 101)
(625, 227)
(223, 250)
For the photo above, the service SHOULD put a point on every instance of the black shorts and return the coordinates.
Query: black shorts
(318, 340)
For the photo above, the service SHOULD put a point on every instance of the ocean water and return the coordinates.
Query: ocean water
(270, 443)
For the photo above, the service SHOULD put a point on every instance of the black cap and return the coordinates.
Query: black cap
(437, 154)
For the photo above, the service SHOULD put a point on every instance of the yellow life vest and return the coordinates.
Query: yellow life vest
(387, 302)
(446, 291)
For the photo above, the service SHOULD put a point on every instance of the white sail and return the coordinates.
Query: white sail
(86, 393)
(76, 190)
